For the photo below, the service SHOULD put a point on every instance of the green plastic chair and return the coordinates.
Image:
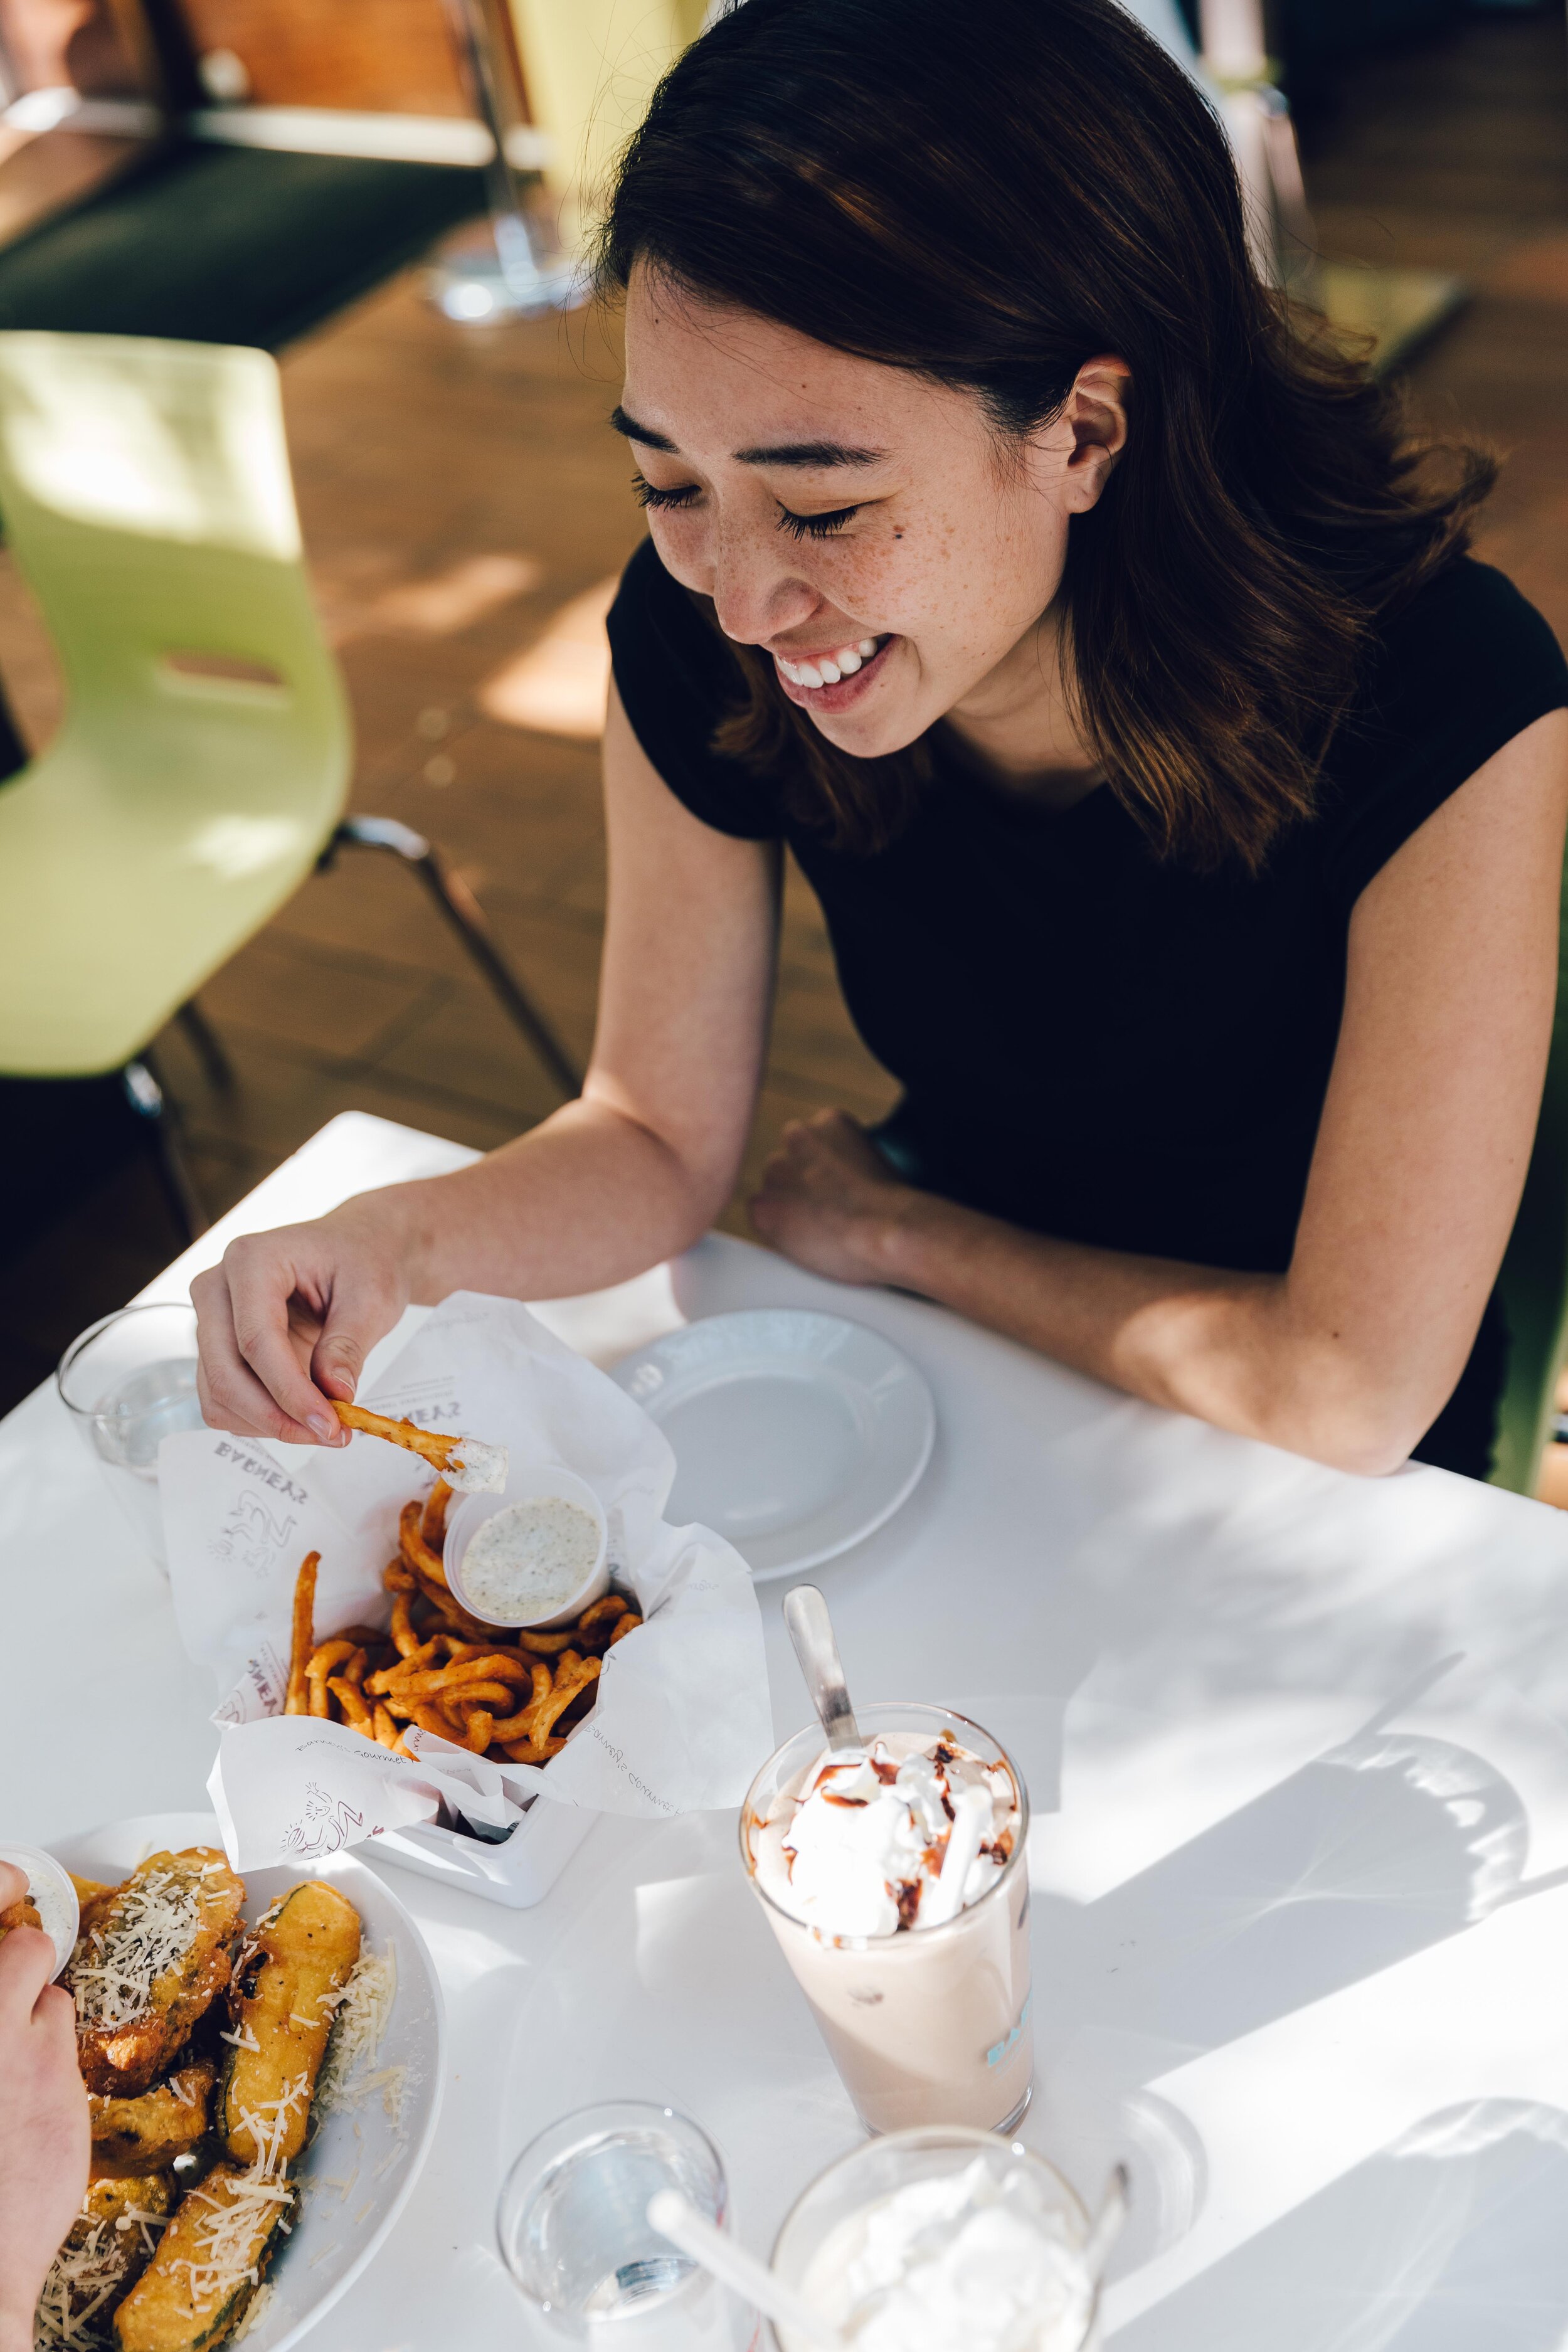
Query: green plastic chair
(203, 764)
(204, 759)
(1534, 1278)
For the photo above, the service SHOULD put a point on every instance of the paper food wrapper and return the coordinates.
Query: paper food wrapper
(682, 1711)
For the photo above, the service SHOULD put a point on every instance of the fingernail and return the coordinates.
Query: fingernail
(321, 1426)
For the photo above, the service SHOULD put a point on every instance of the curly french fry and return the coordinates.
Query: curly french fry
(545, 1645)
(304, 1641)
(628, 1624)
(406, 1641)
(321, 1664)
(453, 1614)
(387, 1678)
(417, 1553)
(433, 1526)
(520, 1725)
(355, 1712)
(611, 1605)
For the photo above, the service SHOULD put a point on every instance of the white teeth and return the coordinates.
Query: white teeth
(828, 669)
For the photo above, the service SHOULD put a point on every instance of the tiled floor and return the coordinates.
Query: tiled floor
(466, 508)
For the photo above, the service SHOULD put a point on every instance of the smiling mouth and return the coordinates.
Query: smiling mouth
(827, 669)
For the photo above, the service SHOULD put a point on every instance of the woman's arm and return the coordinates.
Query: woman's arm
(633, 1172)
(1415, 1178)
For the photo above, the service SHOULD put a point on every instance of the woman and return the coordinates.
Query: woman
(1187, 811)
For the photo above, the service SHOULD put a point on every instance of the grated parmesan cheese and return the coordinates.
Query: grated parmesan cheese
(150, 1932)
(363, 2010)
(260, 2303)
(89, 2271)
(224, 2261)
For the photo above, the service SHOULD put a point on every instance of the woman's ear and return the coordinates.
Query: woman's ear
(1097, 411)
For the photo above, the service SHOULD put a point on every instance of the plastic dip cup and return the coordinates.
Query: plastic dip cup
(528, 1484)
(882, 2167)
(575, 2234)
(929, 2025)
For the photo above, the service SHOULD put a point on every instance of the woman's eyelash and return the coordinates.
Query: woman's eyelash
(820, 526)
(647, 495)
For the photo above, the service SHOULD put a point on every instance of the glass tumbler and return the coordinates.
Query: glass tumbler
(825, 2226)
(128, 1383)
(929, 2025)
(574, 2233)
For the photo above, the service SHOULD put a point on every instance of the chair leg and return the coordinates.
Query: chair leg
(148, 1100)
(208, 1046)
(468, 919)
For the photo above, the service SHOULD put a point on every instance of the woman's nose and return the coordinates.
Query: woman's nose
(756, 597)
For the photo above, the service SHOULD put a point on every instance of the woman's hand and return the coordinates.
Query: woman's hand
(43, 2119)
(287, 1319)
(829, 1201)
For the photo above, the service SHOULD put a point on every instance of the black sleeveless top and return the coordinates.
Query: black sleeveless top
(1092, 1043)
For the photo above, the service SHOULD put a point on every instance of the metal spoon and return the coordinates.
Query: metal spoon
(811, 1631)
(1108, 2222)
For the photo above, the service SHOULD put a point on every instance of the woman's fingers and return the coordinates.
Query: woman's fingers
(26, 1963)
(13, 1884)
(253, 1378)
(363, 1308)
(286, 1322)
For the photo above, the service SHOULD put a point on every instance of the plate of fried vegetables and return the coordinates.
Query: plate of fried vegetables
(264, 2061)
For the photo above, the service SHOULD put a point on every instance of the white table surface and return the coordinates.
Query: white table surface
(1296, 1747)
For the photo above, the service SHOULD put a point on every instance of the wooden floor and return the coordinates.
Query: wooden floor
(467, 510)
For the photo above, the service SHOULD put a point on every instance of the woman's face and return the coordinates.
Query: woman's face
(866, 528)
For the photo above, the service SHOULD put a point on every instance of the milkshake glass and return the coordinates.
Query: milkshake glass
(826, 2229)
(928, 2025)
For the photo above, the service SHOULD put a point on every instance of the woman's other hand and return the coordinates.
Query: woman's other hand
(285, 1323)
(828, 1200)
(43, 2119)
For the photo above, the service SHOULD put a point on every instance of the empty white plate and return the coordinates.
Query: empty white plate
(794, 1434)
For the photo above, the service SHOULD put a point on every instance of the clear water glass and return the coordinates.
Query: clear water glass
(128, 1383)
(575, 2237)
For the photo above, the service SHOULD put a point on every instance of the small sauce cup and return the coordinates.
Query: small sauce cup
(53, 1896)
(543, 1483)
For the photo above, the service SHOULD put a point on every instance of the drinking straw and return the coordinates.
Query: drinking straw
(733, 2266)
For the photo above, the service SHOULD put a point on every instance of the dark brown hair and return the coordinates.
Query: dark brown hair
(990, 197)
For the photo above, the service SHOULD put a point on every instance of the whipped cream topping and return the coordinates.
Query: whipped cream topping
(474, 1468)
(975, 2258)
(902, 1835)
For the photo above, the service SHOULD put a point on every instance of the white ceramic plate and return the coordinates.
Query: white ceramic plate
(794, 1434)
(358, 2170)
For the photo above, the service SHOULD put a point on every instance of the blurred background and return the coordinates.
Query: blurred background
(317, 178)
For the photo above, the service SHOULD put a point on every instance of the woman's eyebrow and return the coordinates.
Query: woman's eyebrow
(783, 453)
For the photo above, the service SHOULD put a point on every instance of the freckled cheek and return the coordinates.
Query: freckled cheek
(899, 585)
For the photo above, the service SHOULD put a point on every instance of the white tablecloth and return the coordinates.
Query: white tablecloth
(1295, 1745)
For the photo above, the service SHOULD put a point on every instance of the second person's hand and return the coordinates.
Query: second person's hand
(43, 2119)
(285, 1322)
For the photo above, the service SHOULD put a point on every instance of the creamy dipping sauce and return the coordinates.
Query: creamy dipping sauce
(530, 1559)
